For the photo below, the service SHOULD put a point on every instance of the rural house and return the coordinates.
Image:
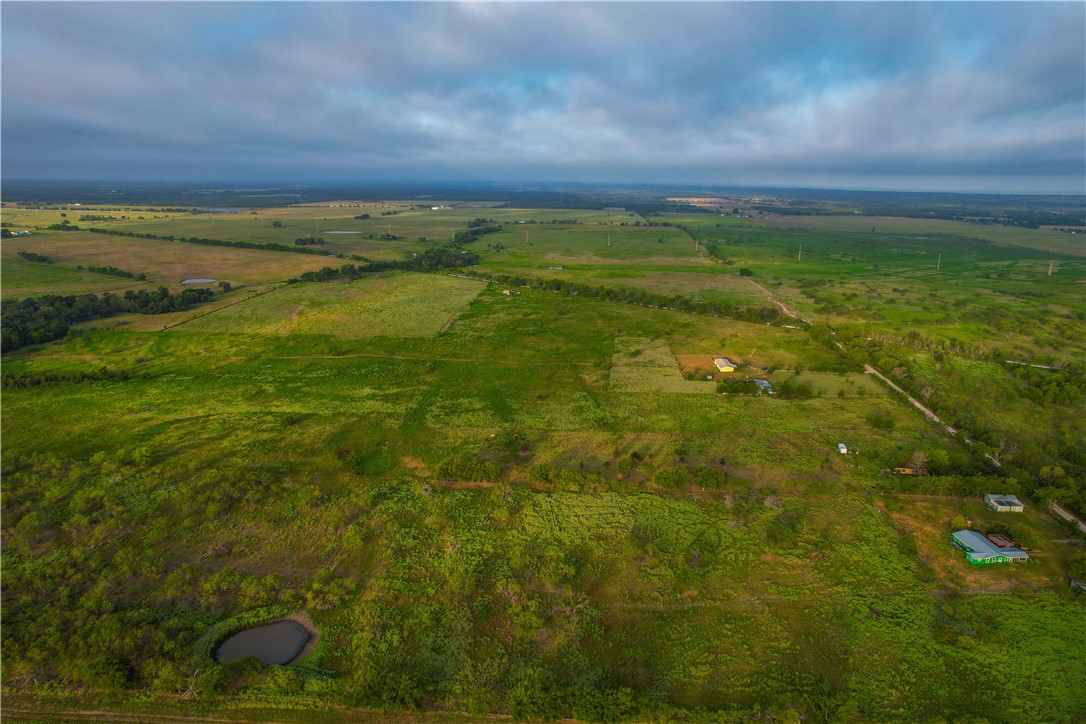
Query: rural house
(1003, 503)
(724, 364)
(981, 551)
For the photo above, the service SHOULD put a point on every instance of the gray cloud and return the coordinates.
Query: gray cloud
(961, 96)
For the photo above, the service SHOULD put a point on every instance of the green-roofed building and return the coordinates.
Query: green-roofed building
(981, 551)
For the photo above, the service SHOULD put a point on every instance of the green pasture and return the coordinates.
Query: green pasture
(401, 305)
(515, 505)
(21, 278)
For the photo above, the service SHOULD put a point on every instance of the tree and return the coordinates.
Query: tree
(277, 224)
(225, 286)
(919, 461)
(926, 393)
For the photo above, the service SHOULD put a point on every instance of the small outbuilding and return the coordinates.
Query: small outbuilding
(842, 448)
(1003, 503)
(764, 385)
(724, 364)
(981, 551)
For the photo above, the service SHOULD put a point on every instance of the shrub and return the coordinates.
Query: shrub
(672, 477)
(468, 468)
(107, 672)
(707, 477)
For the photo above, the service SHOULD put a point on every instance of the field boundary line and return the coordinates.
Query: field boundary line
(225, 306)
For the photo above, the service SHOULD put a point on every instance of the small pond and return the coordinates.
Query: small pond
(273, 643)
(199, 281)
(343, 232)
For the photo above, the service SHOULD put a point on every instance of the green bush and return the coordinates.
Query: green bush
(212, 681)
(371, 463)
(671, 477)
(707, 477)
(111, 673)
(467, 468)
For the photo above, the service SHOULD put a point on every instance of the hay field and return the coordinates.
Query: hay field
(401, 305)
(165, 262)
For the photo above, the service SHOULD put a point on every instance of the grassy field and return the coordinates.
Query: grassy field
(164, 262)
(516, 506)
(390, 306)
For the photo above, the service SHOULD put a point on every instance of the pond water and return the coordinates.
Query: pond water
(199, 281)
(343, 232)
(273, 643)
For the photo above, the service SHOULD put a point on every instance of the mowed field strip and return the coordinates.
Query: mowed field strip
(401, 305)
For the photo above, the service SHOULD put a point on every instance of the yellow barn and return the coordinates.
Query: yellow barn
(724, 364)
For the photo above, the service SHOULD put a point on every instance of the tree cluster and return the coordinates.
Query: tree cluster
(767, 315)
(43, 319)
(33, 256)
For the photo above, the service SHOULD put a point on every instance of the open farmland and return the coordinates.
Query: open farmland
(394, 306)
(164, 262)
(517, 504)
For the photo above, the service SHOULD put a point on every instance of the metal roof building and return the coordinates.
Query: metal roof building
(979, 550)
(1003, 503)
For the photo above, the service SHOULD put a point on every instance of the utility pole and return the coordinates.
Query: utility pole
(939, 264)
(799, 257)
(1050, 267)
(609, 242)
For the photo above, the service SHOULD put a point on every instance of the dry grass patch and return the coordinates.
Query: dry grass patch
(166, 262)
(928, 520)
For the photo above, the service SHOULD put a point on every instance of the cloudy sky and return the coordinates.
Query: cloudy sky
(970, 96)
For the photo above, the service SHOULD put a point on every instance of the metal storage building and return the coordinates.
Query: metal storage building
(979, 550)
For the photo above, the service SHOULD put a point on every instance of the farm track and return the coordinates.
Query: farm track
(784, 309)
(916, 403)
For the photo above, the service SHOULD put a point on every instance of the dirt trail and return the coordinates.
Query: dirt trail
(784, 309)
(916, 403)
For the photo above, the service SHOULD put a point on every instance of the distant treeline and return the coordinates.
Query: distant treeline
(443, 257)
(767, 315)
(269, 246)
(43, 319)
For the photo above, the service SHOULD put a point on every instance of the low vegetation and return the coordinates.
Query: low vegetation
(500, 483)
